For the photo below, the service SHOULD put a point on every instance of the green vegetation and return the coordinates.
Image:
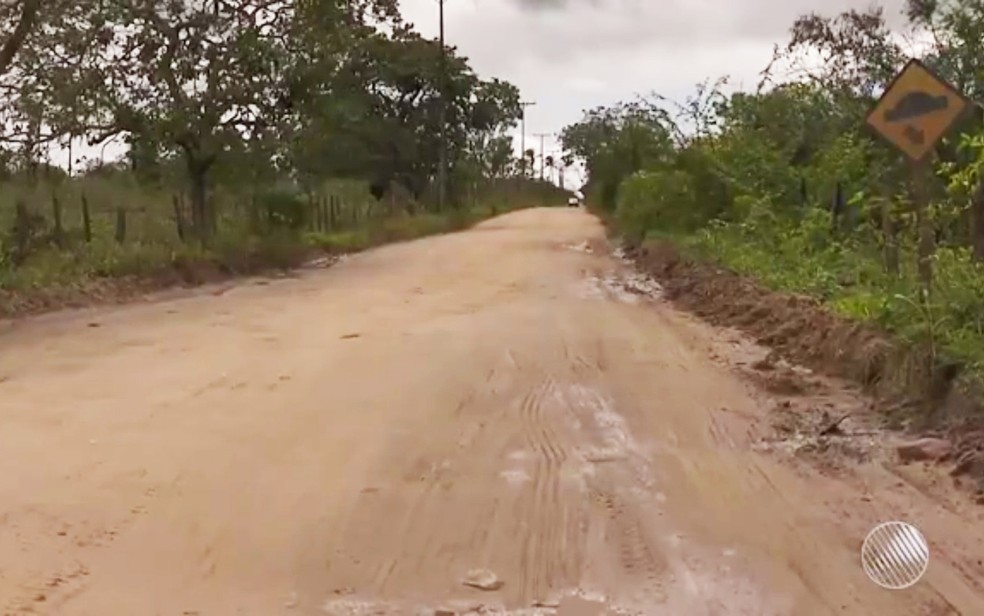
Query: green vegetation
(252, 133)
(785, 184)
(148, 245)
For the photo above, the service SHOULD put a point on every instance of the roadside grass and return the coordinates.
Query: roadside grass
(152, 253)
(850, 278)
(398, 228)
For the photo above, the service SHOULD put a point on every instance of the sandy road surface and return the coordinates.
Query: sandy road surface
(355, 440)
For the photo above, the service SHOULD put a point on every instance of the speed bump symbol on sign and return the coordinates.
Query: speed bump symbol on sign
(916, 110)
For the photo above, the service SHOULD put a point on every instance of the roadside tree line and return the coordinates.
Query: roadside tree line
(238, 110)
(784, 182)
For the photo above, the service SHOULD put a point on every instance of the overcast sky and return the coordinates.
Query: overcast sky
(570, 55)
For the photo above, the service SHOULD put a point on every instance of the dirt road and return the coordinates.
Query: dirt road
(355, 440)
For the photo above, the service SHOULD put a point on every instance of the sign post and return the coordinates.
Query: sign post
(916, 110)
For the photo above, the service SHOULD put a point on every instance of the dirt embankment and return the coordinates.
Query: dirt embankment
(914, 393)
(175, 276)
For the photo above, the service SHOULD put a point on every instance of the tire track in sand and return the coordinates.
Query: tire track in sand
(636, 560)
(621, 485)
(543, 544)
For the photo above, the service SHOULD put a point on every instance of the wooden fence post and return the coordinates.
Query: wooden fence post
(212, 208)
(120, 225)
(56, 213)
(178, 217)
(255, 217)
(86, 220)
(22, 231)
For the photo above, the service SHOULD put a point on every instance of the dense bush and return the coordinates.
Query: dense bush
(785, 183)
(282, 209)
(661, 199)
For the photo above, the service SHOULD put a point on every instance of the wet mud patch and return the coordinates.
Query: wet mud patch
(831, 439)
(777, 376)
(809, 416)
(810, 354)
(569, 603)
(583, 247)
(625, 285)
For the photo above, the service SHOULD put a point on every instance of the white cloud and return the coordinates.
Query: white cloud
(585, 85)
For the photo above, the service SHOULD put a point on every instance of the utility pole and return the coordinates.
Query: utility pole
(555, 169)
(543, 158)
(522, 139)
(442, 172)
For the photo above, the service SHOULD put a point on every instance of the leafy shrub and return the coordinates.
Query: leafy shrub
(656, 200)
(807, 258)
(282, 209)
(27, 235)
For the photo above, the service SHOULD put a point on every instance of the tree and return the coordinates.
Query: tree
(199, 78)
(383, 112)
(294, 92)
(195, 77)
(957, 31)
(23, 15)
(858, 54)
(617, 142)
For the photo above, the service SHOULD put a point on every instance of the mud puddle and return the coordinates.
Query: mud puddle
(570, 603)
(627, 287)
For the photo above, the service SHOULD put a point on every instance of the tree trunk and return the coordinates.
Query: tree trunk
(25, 23)
(202, 220)
(199, 197)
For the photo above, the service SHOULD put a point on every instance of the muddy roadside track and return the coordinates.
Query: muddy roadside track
(915, 413)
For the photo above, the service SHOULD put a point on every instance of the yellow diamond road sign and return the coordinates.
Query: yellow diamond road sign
(916, 110)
